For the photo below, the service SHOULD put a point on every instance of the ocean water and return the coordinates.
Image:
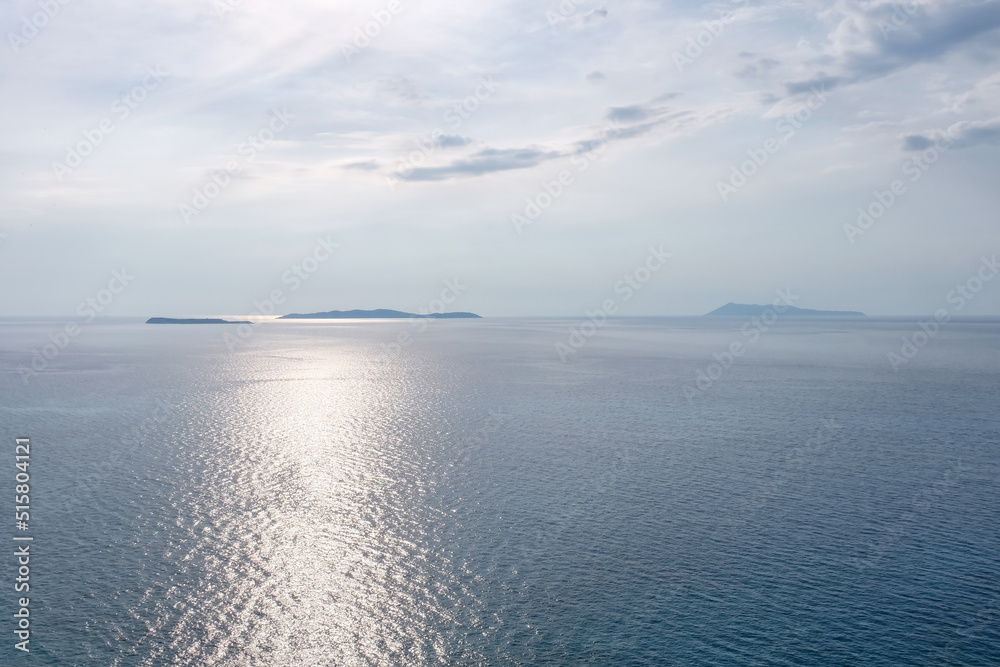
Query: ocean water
(316, 497)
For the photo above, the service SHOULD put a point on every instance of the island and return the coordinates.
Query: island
(754, 310)
(377, 314)
(193, 320)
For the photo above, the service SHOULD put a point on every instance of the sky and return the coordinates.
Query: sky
(199, 157)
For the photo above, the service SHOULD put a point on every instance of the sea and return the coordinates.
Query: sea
(504, 491)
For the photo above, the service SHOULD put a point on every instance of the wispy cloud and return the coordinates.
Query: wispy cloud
(964, 134)
(486, 161)
(622, 123)
(872, 41)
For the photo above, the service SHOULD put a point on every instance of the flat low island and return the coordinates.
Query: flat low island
(755, 310)
(193, 320)
(377, 314)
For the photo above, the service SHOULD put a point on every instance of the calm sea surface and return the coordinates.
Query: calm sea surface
(315, 497)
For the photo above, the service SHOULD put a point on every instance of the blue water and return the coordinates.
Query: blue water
(313, 497)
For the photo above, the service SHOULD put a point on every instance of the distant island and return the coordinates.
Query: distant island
(380, 313)
(194, 320)
(754, 310)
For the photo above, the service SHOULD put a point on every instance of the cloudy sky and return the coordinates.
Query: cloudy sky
(532, 151)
